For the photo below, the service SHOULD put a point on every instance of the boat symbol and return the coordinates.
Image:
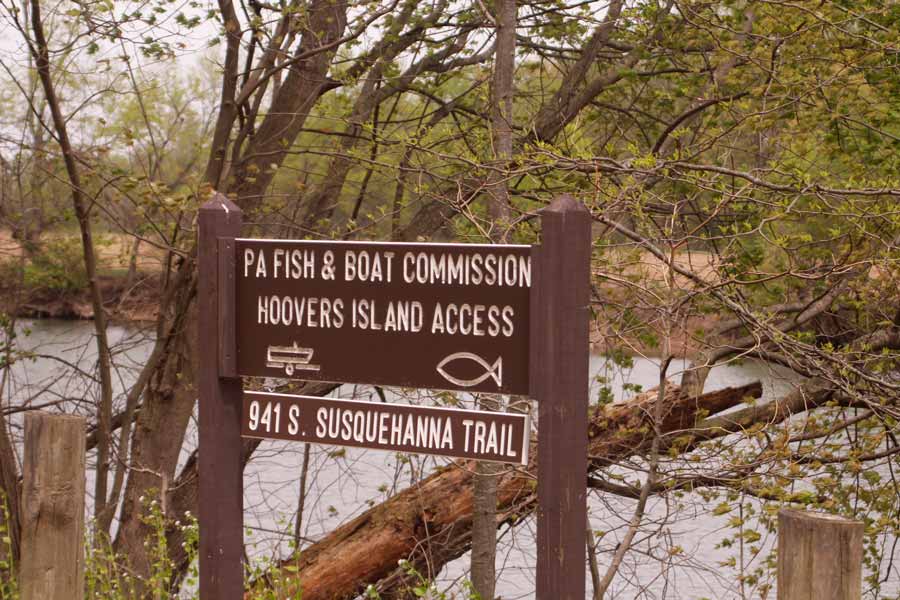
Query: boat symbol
(494, 371)
(290, 358)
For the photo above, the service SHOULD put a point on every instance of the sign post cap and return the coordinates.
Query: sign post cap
(220, 202)
(566, 203)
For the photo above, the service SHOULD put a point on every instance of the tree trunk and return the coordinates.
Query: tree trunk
(484, 516)
(484, 520)
(160, 427)
(169, 400)
(502, 92)
(302, 87)
(41, 53)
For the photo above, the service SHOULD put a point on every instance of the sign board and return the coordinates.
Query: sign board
(440, 316)
(478, 318)
(480, 435)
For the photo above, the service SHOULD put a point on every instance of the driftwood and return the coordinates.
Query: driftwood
(429, 524)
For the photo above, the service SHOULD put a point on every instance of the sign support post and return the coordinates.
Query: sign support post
(467, 317)
(221, 475)
(559, 355)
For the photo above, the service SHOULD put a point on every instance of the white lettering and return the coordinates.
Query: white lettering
(491, 444)
(346, 425)
(467, 424)
(382, 428)
(434, 433)
(508, 313)
(277, 261)
(390, 263)
(437, 321)
(261, 265)
(524, 271)
(396, 430)
(409, 263)
(465, 322)
(447, 440)
(421, 431)
(490, 265)
(293, 416)
(334, 425)
(477, 275)
(321, 422)
(493, 323)
(478, 445)
(248, 260)
(349, 266)
(262, 310)
(359, 426)
(254, 415)
(409, 435)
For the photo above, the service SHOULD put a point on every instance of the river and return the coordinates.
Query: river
(677, 556)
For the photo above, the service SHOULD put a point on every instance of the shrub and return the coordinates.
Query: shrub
(58, 266)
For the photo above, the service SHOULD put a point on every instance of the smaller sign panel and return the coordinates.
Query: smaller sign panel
(458, 433)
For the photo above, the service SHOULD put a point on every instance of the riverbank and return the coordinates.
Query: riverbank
(619, 323)
(50, 282)
(135, 301)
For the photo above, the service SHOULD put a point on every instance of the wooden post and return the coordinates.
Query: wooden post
(560, 296)
(52, 566)
(819, 556)
(221, 478)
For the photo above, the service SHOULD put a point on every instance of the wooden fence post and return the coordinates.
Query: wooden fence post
(221, 513)
(52, 562)
(819, 556)
(559, 383)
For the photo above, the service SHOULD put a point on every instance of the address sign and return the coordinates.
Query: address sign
(480, 435)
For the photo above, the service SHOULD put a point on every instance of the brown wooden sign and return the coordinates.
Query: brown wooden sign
(440, 316)
(459, 317)
(480, 435)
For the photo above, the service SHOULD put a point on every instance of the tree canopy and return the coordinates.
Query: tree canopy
(739, 159)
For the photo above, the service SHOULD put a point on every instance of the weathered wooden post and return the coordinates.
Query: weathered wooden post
(560, 297)
(52, 562)
(819, 556)
(221, 478)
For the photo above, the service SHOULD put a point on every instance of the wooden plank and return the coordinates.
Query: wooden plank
(559, 362)
(52, 565)
(221, 480)
(819, 556)
(226, 313)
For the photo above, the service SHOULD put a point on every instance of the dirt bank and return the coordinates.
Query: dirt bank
(138, 302)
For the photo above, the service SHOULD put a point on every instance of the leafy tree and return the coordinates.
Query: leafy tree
(738, 158)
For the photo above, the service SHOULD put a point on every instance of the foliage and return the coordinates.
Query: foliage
(9, 583)
(107, 577)
(739, 159)
(58, 266)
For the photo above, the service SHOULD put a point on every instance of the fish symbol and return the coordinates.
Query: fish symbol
(494, 371)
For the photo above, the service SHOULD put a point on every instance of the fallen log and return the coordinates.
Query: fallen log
(429, 524)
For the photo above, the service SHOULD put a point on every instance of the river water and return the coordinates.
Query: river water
(677, 555)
